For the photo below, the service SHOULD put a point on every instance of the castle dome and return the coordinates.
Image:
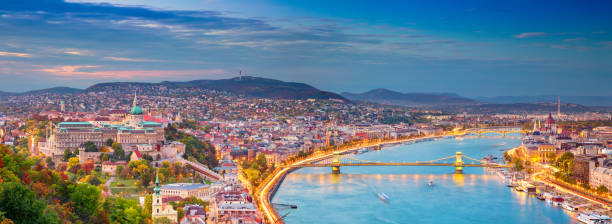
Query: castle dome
(136, 110)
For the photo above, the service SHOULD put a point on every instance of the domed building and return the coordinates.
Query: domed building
(133, 131)
(135, 117)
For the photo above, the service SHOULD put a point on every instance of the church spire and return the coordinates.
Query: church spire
(134, 104)
(157, 189)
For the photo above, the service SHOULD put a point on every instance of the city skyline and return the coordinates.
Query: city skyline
(500, 48)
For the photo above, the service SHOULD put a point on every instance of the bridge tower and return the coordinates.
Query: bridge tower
(336, 163)
(459, 163)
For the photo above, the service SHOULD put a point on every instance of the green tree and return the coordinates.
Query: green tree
(90, 146)
(180, 213)
(118, 170)
(86, 199)
(20, 204)
(261, 162)
(148, 206)
(67, 155)
(118, 151)
(109, 142)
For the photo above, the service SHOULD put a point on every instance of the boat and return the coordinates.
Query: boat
(518, 188)
(540, 197)
(569, 207)
(592, 218)
(383, 197)
(556, 201)
(430, 183)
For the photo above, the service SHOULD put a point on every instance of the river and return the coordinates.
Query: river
(474, 197)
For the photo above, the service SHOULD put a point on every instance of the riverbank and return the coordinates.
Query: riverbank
(545, 183)
(271, 183)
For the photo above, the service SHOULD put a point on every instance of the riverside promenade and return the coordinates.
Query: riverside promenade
(271, 184)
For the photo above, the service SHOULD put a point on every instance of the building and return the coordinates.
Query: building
(110, 168)
(158, 208)
(601, 176)
(185, 190)
(132, 131)
(582, 167)
(194, 214)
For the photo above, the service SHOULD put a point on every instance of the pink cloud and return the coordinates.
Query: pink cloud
(15, 54)
(87, 72)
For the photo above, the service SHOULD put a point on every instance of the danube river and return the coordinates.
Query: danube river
(474, 197)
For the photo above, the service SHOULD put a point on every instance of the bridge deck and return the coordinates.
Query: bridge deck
(400, 164)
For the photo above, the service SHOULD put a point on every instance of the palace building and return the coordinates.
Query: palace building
(132, 131)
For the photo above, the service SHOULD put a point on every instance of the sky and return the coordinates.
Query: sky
(472, 48)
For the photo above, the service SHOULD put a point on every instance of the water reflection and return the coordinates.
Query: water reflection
(474, 197)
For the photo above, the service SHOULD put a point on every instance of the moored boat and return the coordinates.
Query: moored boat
(592, 218)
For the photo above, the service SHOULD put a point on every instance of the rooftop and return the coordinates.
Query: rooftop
(183, 186)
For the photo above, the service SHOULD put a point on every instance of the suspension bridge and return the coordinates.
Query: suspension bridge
(458, 161)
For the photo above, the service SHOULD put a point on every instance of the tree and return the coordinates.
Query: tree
(261, 161)
(90, 146)
(602, 189)
(20, 204)
(50, 163)
(118, 151)
(109, 142)
(191, 201)
(118, 170)
(148, 205)
(86, 199)
(104, 157)
(518, 165)
(73, 162)
(67, 154)
(180, 213)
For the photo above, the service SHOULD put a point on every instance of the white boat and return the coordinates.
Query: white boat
(592, 218)
(383, 197)
(430, 183)
(569, 207)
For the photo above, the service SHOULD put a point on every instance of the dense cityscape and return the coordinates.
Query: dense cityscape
(273, 112)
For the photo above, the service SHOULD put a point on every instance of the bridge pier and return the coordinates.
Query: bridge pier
(336, 163)
(335, 169)
(458, 170)
(459, 163)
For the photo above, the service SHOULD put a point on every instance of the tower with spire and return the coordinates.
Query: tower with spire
(136, 116)
(158, 210)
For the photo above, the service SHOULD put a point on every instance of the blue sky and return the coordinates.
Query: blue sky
(473, 48)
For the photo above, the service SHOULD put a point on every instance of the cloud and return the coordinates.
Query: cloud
(87, 72)
(79, 53)
(530, 34)
(574, 39)
(130, 59)
(15, 54)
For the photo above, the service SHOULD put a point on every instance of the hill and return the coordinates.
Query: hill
(582, 100)
(246, 85)
(54, 90)
(385, 96)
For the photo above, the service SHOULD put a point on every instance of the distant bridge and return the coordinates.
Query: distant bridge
(502, 131)
(336, 162)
